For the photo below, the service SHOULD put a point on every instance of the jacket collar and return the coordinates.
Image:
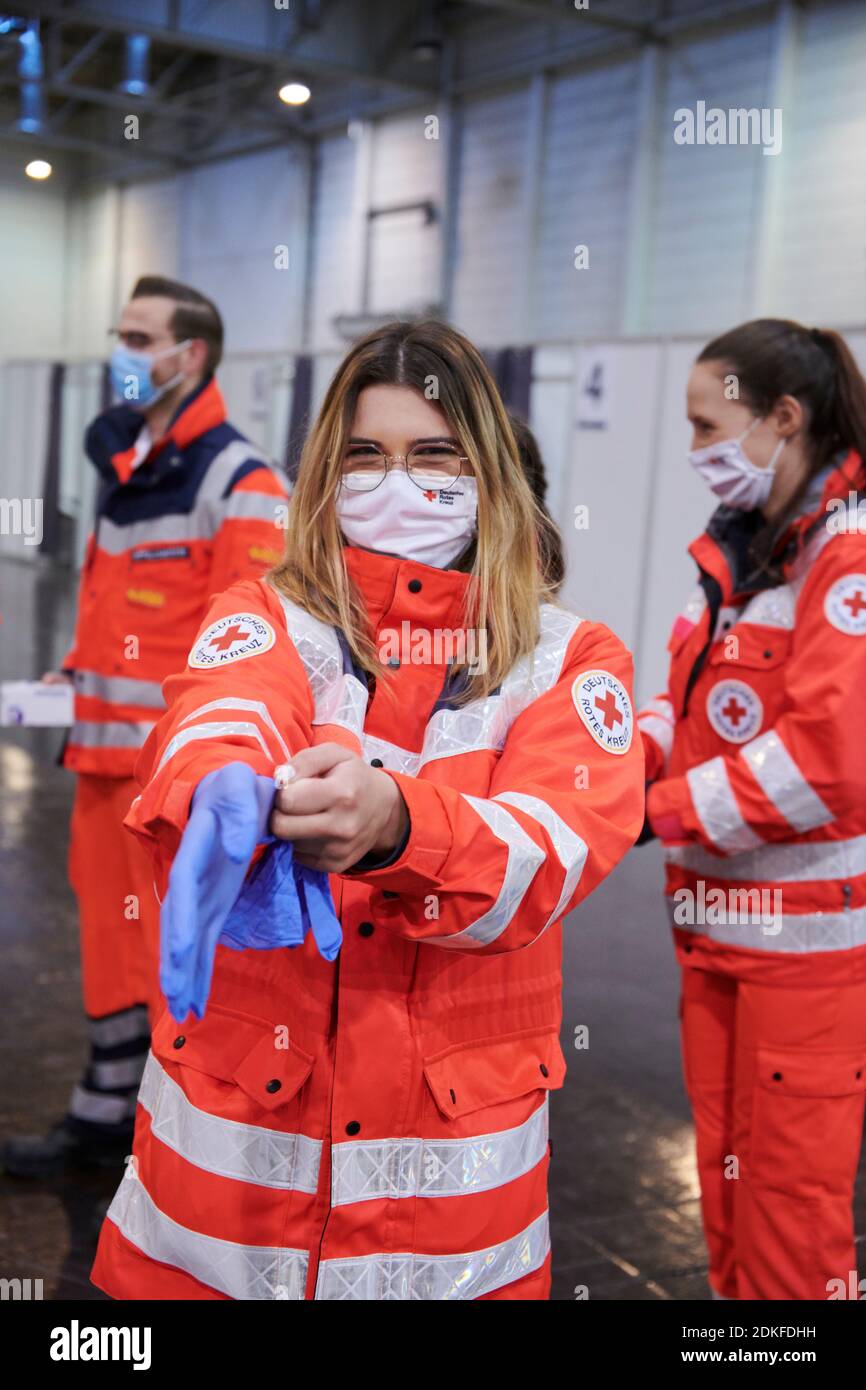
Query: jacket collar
(844, 476)
(110, 440)
(384, 582)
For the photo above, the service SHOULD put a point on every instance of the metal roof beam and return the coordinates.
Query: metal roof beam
(188, 39)
(547, 12)
(84, 54)
(79, 144)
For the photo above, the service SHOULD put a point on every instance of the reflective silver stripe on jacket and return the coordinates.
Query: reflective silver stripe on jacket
(783, 783)
(109, 734)
(786, 863)
(796, 933)
(659, 729)
(338, 696)
(485, 723)
(716, 806)
(771, 608)
(395, 1168)
(255, 506)
(229, 729)
(571, 850)
(247, 1272)
(119, 690)
(251, 706)
(391, 755)
(524, 859)
(224, 465)
(377, 1278)
(201, 523)
(247, 1153)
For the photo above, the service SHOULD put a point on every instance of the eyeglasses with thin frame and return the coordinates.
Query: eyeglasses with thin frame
(432, 467)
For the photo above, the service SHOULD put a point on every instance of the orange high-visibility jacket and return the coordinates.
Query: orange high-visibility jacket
(758, 752)
(376, 1127)
(202, 510)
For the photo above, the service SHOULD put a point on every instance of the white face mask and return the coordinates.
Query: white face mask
(728, 473)
(399, 518)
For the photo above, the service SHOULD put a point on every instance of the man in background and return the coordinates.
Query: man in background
(186, 506)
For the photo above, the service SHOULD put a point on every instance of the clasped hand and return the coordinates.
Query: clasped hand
(337, 808)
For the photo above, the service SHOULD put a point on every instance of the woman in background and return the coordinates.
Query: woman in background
(757, 764)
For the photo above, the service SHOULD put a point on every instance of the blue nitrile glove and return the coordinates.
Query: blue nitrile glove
(280, 902)
(209, 901)
(228, 818)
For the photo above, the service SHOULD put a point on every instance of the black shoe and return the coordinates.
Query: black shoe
(64, 1148)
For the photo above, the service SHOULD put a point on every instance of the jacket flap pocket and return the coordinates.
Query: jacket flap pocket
(756, 649)
(816, 1074)
(474, 1075)
(251, 1052)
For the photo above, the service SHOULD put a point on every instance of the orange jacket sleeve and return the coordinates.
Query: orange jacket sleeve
(491, 873)
(223, 707)
(656, 722)
(810, 768)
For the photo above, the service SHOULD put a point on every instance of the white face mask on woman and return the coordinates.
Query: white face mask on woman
(400, 518)
(728, 473)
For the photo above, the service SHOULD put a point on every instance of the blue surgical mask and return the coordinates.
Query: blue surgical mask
(132, 379)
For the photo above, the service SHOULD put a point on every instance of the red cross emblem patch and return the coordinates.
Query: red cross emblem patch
(605, 708)
(845, 604)
(735, 711)
(231, 639)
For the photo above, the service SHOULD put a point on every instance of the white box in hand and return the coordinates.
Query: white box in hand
(36, 704)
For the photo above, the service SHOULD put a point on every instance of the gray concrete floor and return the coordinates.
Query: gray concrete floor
(625, 1219)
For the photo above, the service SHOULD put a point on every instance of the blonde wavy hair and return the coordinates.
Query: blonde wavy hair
(509, 576)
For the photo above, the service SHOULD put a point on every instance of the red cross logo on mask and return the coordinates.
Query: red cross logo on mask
(431, 495)
(229, 637)
(609, 710)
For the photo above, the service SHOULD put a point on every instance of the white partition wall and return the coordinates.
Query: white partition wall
(81, 401)
(681, 507)
(612, 464)
(258, 394)
(25, 390)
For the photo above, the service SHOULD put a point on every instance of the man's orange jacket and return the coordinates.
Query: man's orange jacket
(202, 509)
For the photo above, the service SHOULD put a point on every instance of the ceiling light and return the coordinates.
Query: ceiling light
(294, 94)
(38, 169)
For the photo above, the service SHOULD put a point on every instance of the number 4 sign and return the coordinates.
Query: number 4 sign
(594, 378)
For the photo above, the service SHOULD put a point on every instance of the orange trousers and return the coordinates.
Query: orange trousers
(776, 1078)
(117, 907)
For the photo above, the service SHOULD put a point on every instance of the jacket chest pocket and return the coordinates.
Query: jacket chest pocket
(160, 573)
(741, 691)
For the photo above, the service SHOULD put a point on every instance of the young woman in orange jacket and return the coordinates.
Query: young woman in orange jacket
(374, 1126)
(757, 766)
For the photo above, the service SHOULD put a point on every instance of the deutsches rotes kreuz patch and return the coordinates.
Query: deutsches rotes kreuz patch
(735, 711)
(605, 709)
(231, 639)
(845, 604)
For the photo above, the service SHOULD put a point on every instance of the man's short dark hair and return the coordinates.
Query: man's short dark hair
(195, 316)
